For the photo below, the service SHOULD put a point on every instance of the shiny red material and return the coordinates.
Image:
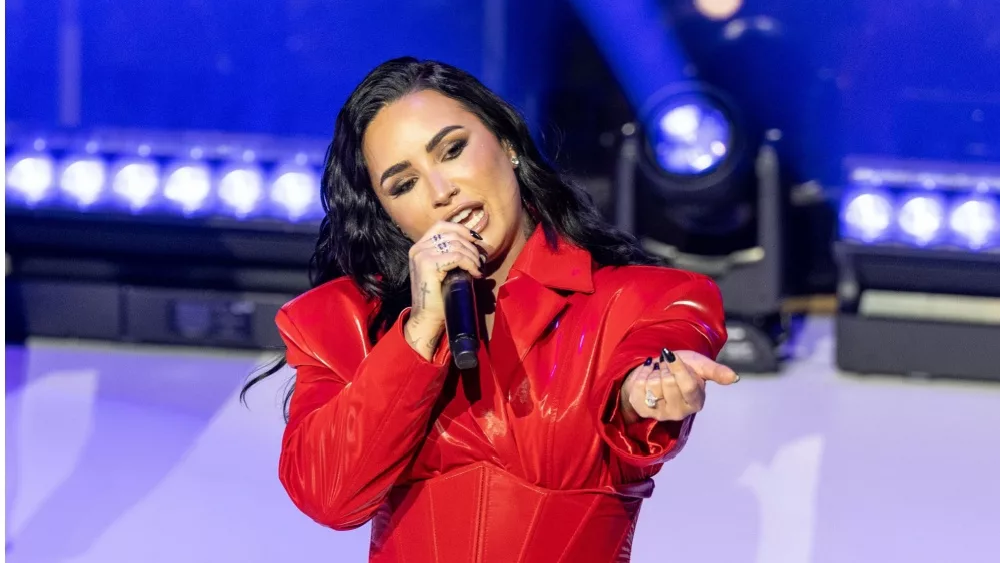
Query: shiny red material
(524, 459)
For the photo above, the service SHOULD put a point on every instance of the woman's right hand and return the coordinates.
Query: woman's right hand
(444, 247)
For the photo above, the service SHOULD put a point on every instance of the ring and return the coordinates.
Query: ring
(436, 237)
(651, 399)
(442, 247)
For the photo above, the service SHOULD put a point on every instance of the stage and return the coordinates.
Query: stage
(132, 454)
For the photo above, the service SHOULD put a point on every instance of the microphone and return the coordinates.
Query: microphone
(461, 321)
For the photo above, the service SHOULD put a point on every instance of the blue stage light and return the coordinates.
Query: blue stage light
(690, 137)
(241, 191)
(30, 178)
(136, 183)
(189, 187)
(975, 221)
(294, 192)
(921, 218)
(83, 180)
(867, 215)
(231, 176)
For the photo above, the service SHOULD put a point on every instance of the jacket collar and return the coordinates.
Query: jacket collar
(566, 267)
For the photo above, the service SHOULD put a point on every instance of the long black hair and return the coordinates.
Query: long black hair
(358, 239)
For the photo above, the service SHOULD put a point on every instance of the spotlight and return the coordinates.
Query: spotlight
(690, 137)
(700, 187)
(919, 257)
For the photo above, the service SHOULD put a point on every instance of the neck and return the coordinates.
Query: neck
(500, 273)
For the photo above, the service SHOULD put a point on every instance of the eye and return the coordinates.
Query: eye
(402, 187)
(455, 150)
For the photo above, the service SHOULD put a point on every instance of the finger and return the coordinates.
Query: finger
(655, 388)
(637, 395)
(449, 261)
(449, 243)
(445, 227)
(685, 383)
(454, 242)
(707, 369)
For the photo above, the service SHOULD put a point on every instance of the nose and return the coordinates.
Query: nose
(443, 190)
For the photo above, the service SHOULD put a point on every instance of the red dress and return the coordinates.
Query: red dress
(524, 459)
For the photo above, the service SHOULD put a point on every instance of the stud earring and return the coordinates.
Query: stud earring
(515, 161)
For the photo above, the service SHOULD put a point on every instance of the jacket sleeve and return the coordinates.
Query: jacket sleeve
(688, 318)
(350, 435)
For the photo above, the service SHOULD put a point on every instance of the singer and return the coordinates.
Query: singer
(590, 364)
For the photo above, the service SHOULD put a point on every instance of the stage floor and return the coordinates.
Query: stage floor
(144, 455)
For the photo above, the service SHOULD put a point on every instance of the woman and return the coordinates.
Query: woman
(592, 364)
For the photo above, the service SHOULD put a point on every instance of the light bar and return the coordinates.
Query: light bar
(162, 174)
(921, 219)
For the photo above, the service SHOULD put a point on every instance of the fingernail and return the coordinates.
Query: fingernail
(648, 361)
(667, 356)
(656, 366)
(737, 378)
(476, 235)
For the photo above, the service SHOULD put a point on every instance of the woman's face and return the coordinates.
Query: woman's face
(431, 160)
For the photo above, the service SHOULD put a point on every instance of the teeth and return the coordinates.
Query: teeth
(461, 216)
(474, 219)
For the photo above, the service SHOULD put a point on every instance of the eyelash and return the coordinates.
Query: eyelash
(453, 152)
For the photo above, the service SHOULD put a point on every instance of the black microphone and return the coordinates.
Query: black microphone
(460, 318)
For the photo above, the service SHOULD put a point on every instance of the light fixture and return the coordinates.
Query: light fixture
(143, 235)
(919, 257)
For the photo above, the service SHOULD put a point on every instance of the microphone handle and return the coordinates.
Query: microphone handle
(461, 320)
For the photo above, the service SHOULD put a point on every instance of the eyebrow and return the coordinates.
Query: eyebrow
(431, 145)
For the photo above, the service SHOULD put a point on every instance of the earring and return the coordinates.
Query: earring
(515, 161)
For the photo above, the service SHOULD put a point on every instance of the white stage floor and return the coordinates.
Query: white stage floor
(137, 455)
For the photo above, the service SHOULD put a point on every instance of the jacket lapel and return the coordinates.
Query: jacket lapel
(529, 303)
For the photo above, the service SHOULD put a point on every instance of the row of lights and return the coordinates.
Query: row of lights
(193, 185)
(922, 218)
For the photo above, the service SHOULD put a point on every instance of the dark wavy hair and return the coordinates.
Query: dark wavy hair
(358, 239)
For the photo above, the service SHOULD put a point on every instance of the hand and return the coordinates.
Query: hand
(444, 247)
(676, 380)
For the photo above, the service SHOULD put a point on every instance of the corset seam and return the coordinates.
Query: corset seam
(579, 528)
(531, 529)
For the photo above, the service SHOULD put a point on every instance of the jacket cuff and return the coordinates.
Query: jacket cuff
(645, 441)
(396, 336)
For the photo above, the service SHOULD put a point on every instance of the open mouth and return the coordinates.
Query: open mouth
(471, 217)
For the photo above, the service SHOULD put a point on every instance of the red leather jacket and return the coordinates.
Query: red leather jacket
(525, 458)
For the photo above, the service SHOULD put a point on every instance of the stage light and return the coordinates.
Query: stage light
(921, 217)
(147, 228)
(975, 222)
(919, 261)
(189, 186)
(690, 138)
(241, 190)
(867, 215)
(30, 177)
(136, 183)
(83, 180)
(294, 191)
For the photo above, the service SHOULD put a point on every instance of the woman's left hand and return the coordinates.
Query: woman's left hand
(671, 387)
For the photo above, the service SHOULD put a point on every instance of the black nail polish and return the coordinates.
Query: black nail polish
(668, 356)
(656, 366)
(648, 361)
(476, 235)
